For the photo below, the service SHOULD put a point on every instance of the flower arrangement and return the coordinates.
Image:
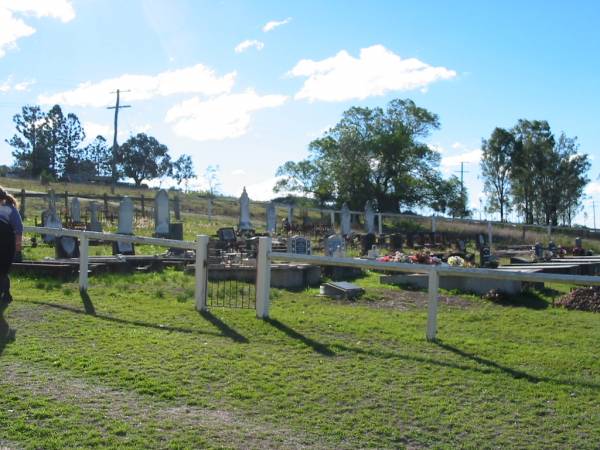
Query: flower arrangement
(456, 261)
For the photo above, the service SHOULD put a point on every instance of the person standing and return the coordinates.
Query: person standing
(11, 238)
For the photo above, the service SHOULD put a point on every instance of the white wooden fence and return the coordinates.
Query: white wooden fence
(265, 256)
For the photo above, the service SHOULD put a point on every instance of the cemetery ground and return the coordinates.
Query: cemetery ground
(134, 365)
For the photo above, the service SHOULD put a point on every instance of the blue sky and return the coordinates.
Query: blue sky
(476, 64)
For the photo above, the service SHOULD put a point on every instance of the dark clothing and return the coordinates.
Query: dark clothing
(7, 254)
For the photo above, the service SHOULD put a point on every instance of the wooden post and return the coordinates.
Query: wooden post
(434, 284)
(67, 212)
(177, 207)
(83, 262)
(263, 277)
(22, 206)
(201, 271)
(143, 206)
(380, 222)
(105, 206)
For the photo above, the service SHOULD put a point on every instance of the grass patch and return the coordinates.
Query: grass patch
(134, 365)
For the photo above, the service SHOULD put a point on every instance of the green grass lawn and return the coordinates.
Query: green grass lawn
(136, 366)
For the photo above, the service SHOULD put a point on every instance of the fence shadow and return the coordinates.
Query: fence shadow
(88, 306)
(137, 323)
(318, 347)
(225, 329)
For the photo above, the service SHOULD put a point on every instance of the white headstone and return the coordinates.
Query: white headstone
(299, 245)
(95, 224)
(126, 216)
(345, 220)
(271, 218)
(51, 200)
(75, 210)
(245, 223)
(161, 213)
(369, 217)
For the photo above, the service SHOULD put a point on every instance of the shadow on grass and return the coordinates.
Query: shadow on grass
(490, 366)
(225, 329)
(4, 329)
(140, 323)
(527, 299)
(315, 345)
(88, 306)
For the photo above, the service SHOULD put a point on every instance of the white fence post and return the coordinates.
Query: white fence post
(263, 277)
(434, 284)
(83, 262)
(201, 271)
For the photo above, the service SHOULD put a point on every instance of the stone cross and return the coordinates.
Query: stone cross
(75, 210)
(125, 216)
(245, 223)
(345, 220)
(51, 201)
(271, 218)
(369, 218)
(161, 213)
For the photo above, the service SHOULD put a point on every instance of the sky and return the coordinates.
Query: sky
(246, 85)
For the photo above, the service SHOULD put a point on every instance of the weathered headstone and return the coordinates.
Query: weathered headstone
(369, 218)
(396, 242)
(51, 200)
(161, 213)
(75, 210)
(299, 245)
(245, 223)
(95, 224)
(271, 218)
(50, 220)
(335, 246)
(126, 212)
(290, 216)
(367, 242)
(345, 220)
(177, 208)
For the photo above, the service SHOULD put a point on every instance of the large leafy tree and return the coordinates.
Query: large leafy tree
(142, 157)
(497, 153)
(370, 154)
(69, 152)
(99, 153)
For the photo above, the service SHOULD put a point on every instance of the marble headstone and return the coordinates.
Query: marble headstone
(95, 224)
(271, 218)
(125, 216)
(345, 220)
(75, 210)
(335, 246)
(245, 223)
(369, 217)
(51, 201)
(161, 213)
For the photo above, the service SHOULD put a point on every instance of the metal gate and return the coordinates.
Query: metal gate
(230, 283)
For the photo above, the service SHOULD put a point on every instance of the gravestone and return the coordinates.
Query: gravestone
(290, 216)
(367, 241)
(161, 213)
(335, 246)
(552, 248)
(538, 250)
(94, 224)
(51, 201)
(369, 218)
(341, 289)
(410, 240)
(271, 218)
(485, 256)
(226, 234)
(345, 220)
(50, 220)
(126, 212)
(245, 223)
(396, 242)
(66, 247)
(299, 245)
(177, 208)
(75, 210)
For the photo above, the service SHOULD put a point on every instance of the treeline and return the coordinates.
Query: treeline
(51, 145)
(377, 154)
(539, 175)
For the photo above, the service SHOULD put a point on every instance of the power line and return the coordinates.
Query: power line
(113, 162)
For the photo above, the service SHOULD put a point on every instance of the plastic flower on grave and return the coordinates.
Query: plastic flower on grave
(456, 261)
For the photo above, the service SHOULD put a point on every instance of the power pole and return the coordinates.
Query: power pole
(113, 163)
(462, 183)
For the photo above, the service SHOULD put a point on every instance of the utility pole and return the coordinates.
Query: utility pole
(462, 183)
(113, 163)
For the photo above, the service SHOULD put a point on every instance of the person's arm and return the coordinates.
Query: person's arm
(17, 225)
(18, 242)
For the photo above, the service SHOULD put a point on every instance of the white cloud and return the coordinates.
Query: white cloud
(197, 79)
(263, 190)
(271, 25)
(457, 145)
(23, 85)
(473, 156)
(13, 28)
(593, 188)
(375, 72)
(8, 85)
(223, 117)
(436, 148)
(93, 129)
(245, 45)
(238, 172)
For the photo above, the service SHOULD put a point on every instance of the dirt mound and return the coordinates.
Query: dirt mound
(582, 299)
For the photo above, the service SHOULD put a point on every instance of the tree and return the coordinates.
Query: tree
(30, 153)
(142, 157)
(497, 153)
(69, 153)
(54, 123)
(100, 155)
(183, 170)
(370, 154)
(211, 175)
